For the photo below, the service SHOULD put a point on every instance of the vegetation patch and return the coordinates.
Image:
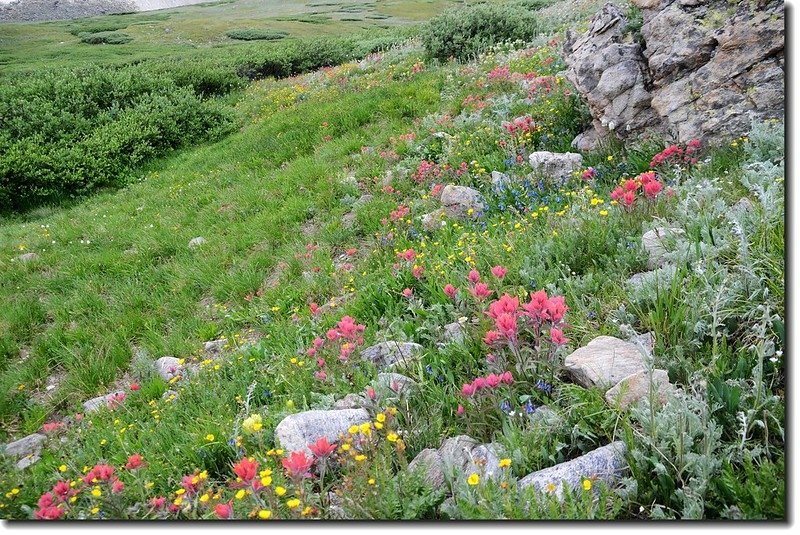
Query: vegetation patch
(256, 34)
(105, 38)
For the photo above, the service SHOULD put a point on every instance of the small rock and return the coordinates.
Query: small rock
(485, 461)
(555, 166)
(396, 383)
(25, 462)
(350, 401)
(168, 367)
(500, 181)
(429, 462)
(606, 464)
(196, 242)
(660, 276)
(214, 348)
(454, 333)
(434, 220)
(349, 220)
(646, 340)
(461, 202)
(654, 242)
(297, 431)
(31, 444)
(604, 362)
(101, 401)
(587, 141)
(27, 257)
(388, 354)
(456, 453)
(638, 386)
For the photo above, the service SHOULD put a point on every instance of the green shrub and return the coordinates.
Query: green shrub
(465, 33)
(94, 26)
(105, 38)
(255, 34)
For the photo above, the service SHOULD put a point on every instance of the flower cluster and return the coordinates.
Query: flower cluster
(674, 154)
(646, 183)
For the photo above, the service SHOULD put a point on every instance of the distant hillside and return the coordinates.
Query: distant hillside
(39, 10)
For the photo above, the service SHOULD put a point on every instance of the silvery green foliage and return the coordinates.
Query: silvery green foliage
(679, 441)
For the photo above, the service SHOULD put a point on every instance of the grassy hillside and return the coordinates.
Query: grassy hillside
(316, 245)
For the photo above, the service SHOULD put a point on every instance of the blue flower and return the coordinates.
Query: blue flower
(530, 408)
(545, 387)
(429, 369)
(505, 406)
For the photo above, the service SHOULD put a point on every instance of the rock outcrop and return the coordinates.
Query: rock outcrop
(702, 69)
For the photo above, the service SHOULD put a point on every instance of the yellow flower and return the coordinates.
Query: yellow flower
(180, 492)
(391, 437)
(265, 473)
(96, 492)
(241, 494)
(371, 481)
(204, 498)
(473, 479)
(264, 514)
(279, 451)
(290, 404)
(381, 417)
(587, 484)
(505, 463)
(280, 491)
(378, 425)
(266, 481)
(293, 503)
(209, 438)
(253, 423)
(603, 213)
(365, 429)
(62, 468)
(353, 429)
(178, 500)
(95, 510)
(360, 457)
(345, 447)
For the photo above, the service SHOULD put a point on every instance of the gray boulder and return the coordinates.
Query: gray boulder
(30, 445)
(656, 243)
(168, 367)
(389, 354)
(461, 202)
(395, 384)
(555, 166)
(101, 401)
(606, 464)
(604, 362)
(297, 431)
(27, 257)
(196, 242)
(454, 333)
(640, 385)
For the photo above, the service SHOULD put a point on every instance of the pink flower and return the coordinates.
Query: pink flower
(507, 325)
(505, 305)
(460, 410)
(61, 489)
(408, 292)
(556, 308)
(557, 337)
(480, 291)
(479, 383)
(332, 334)
(322, 448)
(371, 393)
(246, 469)
(507, 378)
(468, 390)
(617, 193)
(492, 380)
(320, 375)
(629, 198)
(297, 464)
(135, 387)
(224, 510)
(491, 337)
(652, 189)
(52, 426)
(314, 309)
(158, 502)
(490, 358)
(450, 291)
(535, 307)
(418, 272)
(474, 276)
(117, 486)
(499, 271)
(630, 185)
(134, 462)
(409, 255)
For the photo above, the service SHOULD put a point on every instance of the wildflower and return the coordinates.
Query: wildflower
(392, 437)
(468, 390)
(158, 502)
(408, 292)
(505, 305)
(557, 337)
(492, 380)
(587, 484)
(117, 486)
(209, 437)
(52, 426)
(360, 457)
(370, 481)
(224, 510)
(507, 378)
(253, 423)
(499, 271)
(491, 337)
(96, 492)
(293, 503)
(507, 325)
(371, 393)
(322, 448)
(474, 277)
(365, 429)
(652, 189)
(480, 291)
(280, 491)
(629, 198)
(135, 387)
(460, 410)
(450, 291)
(505, 463)
(246, 469)
(473, 479)
(264, 514)
(134, 462)
(297, 464)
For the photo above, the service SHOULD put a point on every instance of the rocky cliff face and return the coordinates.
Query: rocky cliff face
(697, 68)
(38, 10)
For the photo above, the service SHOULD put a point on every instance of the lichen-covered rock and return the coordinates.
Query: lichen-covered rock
(27, 257)
(555, 166)
(429, 463)
(587, 140)
(656, 242)
(485, 461)
(639, 385)
(454, 333)
(462, 202)
(103, 401)
(29, 445)
(168, 367)
(214, 348)
(388, 354)
(296, 431)
(350, 401)
(604, 362)
(707, 69)
(196, 242)
(606, 464)
(455, 453)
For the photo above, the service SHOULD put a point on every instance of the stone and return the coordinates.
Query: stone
(699, 69)
(646, 340)
(485, 461)
(639, 385)
(396, 383)
(435, 220)
(102, 401)
(168, 367)
(27, 461)
(456, 453)
(587, 141)
(27, 257)
(29, 445)
(462, 202)
(655, 242)
(214, 348)
(500, 181)
(660, 276)
(604, 362)
(196, 242)
(429, 463)
(350, 401)
(454, 333)
(349, 220)
(606, 464)
(389, 354)
(555, 166)
(296, 431)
